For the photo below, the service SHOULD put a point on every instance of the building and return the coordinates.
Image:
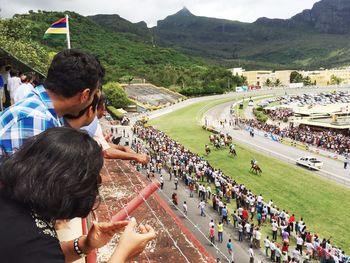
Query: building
(320, 77)
(323, 77)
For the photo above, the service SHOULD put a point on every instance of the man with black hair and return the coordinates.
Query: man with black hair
(110, 150)
(73, 78)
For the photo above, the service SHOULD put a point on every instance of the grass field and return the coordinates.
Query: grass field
(323, 204)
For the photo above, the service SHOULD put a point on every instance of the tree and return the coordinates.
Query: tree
(268, 83)
(115, 94)
(277, 83)
(296, 77)
(15, 37)
(127, 79)
(307, 81)
(334, 80)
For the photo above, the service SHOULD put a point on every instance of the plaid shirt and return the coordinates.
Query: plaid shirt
(25, 119)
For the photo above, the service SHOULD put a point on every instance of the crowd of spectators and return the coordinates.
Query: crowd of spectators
(15, 85)
(281, 114)
(251, 213)
(328, 140)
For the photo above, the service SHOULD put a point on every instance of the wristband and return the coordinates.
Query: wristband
(77, 249)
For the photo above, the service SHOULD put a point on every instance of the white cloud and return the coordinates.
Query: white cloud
(152, 10)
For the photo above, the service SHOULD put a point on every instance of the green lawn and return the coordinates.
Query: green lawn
(323, 204)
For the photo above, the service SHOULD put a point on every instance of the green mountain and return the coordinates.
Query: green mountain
(124, 55)
(115, 23)
(315, 38)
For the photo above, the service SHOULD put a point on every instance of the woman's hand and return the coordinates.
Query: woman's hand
(132, 243)
(100, 234)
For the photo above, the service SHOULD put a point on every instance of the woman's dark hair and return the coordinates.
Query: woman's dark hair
(56, 174)
(71, 71)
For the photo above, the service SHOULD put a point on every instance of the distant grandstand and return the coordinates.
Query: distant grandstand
(150, 96)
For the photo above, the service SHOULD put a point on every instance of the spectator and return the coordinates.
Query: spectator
(25, 89)
(278, 254)
(274, 227)
(267, 246)
(72, 81)
(212, 235)
(273, 250)
(251, 254)
(220, 227)
(65, 185)
(13, 83)
(230, 250)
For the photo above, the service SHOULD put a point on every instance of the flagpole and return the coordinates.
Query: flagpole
(68, 35)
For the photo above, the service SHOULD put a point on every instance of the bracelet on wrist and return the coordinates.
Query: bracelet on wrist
(77, 249)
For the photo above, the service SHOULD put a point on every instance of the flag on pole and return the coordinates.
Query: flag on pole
(57, 30)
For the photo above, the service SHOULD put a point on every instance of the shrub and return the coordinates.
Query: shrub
(116, 96)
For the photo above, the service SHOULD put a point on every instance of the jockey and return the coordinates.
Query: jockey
(232, 146)
(254, 162)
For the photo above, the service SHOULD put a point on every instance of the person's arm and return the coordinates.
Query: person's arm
(115, 153)
(121, 148)
(132, 243)
(99, 235)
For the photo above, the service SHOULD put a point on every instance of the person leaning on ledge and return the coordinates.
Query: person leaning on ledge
(56, 176)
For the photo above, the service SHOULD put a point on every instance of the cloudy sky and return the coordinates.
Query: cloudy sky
(152, 10)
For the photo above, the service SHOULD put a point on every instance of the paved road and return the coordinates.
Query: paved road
(332, 169)
(233, 95)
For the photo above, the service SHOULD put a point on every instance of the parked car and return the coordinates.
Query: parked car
(310, 162)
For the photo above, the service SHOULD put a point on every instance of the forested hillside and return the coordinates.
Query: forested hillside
(123, 57)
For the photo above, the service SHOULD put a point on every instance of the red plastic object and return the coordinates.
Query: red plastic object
(138, 200)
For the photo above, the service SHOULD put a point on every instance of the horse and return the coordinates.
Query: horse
(255, 168)
(233, 152)
(227, 141)
(207, 150)
(217, 144)
(222, 143)
(212, 138)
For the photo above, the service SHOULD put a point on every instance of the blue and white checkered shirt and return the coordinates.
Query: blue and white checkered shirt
(25, 119)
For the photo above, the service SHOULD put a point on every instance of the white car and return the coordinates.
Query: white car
(310, 162)
(251, 104)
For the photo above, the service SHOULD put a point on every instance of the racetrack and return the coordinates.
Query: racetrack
(332, 169)
(291, 187)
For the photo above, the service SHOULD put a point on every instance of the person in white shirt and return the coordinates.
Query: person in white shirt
(257, 237)
(25, 88)
(278, 254)
(274, 227)
(184, 208)
(273, 250)
(211, 223)
(208, 192)
(13, 83)
(251, 254)
(300, 243)
(201, 206)
(267, 245)
(248, 230)
(296, 255)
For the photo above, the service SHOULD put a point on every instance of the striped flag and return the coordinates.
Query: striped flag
(58, 30)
